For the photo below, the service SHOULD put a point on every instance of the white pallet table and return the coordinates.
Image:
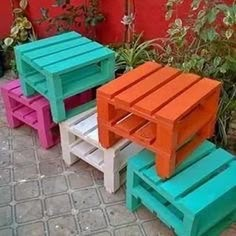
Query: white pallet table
(79, 139)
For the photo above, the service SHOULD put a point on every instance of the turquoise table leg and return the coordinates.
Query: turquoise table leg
(56, 98)
(27, 89)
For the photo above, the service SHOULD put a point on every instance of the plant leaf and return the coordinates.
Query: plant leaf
(8, 41)
(23, 4)
(229, 33)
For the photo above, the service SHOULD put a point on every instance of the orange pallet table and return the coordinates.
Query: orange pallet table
(165, 110)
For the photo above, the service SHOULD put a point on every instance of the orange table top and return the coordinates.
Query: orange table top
(154, 91)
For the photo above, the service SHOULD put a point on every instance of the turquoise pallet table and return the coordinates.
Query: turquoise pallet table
(62, 66)
(200, 199)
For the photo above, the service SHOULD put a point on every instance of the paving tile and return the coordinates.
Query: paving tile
(6, 232)
(34, 229)
(105, 233)
(26, 190)
(50, 167)
(22, 130)
(110, 198)
(92, 220)
(58, 205)
(53, 185)
(85, 198)
(119, 215)
(24, 157)
(5, 159)
(46, 154)
(98, 177)
(22, 142)
(63, 226)
(156, 228)
(5, 194)
(80, 165)
(4, 145)
(28, 211)
(5, 216)
(81, 179)
(5, 176)
(25, 172)
(229, 232)
(4, 131)
(132, 230)
(144, 214)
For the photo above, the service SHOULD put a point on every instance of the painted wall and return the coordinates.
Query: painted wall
(149, 14)
(5, 18)
(150, 17)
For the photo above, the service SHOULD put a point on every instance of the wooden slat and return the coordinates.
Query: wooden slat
(196, 174)
(79, 61)
(120, 114)
(151, 174)
(180, 106)
(147, 133)
(82, 149)
(203, 150)
(127, 152)
(130, 124)
(40, 52)
(125, 81)
(47, 42)
(55, 58)
(146, 86)
(191, 124)
(16, 91)
(211, 191)
(94, 136)
(96, 157)
(86, 126)
(156, 100)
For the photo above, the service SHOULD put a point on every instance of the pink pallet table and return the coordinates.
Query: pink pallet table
(34, 111)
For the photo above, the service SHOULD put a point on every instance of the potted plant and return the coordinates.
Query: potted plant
(205, 44)
(132, 54)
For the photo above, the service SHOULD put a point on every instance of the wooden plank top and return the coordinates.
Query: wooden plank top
(63, 53)
(158, 92)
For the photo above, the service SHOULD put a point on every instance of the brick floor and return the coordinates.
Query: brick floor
(40, 196)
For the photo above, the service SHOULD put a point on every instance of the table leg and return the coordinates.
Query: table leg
(9, 106)
(26, 88)
(56, 98)
(44, 129)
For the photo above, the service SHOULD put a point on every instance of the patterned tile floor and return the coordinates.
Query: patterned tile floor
(40, 196)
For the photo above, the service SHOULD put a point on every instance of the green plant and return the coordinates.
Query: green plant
(135, 53)
(65, 21)
(21, 31)
(206, 44)
(72, 16)
(93, 15)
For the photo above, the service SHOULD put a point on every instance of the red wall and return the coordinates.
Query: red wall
(149, 14)
(5, 18)
(34, 13)
(150, 17)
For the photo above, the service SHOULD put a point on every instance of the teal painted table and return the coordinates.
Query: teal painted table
(62, 66)
(200, 199)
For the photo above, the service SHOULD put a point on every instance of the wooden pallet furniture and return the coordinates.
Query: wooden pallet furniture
(62, 66)
(79, 139)
(161, 108)
(200, 199)
(35, 111)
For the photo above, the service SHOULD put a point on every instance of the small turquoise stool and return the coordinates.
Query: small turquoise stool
(63, 66)
(200, 199)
